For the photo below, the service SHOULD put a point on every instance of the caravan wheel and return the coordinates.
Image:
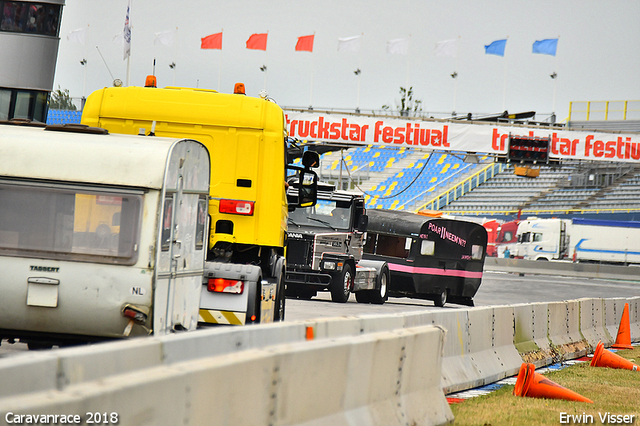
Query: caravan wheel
(441, 298)
(380, 295)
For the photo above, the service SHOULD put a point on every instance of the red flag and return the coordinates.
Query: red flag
(213, 41)
(257, 42)
(305, 43)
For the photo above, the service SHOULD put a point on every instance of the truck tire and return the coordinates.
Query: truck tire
(341, 285)
(381, 294)
(281, 300)
(441, 298)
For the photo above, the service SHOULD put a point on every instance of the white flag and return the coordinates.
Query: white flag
(398, 46)
(118, 38)
(77, 36)
(126, 33)
(349, 44)
(165, 38)
(446, 48)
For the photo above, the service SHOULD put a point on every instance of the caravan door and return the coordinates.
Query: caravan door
(182, 242)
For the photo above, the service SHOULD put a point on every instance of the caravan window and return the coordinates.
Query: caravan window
(476, 251)
(69, 222)
(427, 248)
(392, 245)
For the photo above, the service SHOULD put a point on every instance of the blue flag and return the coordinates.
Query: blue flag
(546, 47)
(496, 48)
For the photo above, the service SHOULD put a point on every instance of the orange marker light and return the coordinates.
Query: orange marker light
(238, 89)
(150, 81)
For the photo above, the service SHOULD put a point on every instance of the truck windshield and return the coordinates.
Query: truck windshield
(61, 222)
(325, 213)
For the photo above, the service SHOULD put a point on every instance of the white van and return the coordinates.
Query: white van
(101, 235)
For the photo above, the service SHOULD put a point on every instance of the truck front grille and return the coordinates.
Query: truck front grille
(299, 253)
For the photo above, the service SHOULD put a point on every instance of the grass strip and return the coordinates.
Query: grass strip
(614, 393)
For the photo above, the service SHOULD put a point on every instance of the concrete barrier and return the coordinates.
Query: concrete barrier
(481, 345)
(564, 330)
(592, 322)
(562, 268)
(634, 318)
(390, 378)
(531, 337)
(613, 309)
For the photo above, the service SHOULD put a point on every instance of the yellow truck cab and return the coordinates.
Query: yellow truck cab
(248, 203)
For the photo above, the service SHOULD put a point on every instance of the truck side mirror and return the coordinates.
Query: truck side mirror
(310, 159)
(363, 223)
(305, 193)
(307, 188)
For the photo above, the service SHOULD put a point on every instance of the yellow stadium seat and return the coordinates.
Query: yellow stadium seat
(433, 179)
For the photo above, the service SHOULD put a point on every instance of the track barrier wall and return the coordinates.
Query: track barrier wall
(378, 369)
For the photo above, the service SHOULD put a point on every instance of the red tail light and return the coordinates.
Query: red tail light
(134, 314)
(237, 207)
(221, 285)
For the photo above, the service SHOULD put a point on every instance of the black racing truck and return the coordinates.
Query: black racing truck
(324, 250)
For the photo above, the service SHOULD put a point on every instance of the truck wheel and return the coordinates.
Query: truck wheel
(441, 298)
(341, 285)
(281, 300)
(380, 295)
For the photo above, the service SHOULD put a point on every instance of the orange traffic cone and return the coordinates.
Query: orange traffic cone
(535, 385)
(623, 341)
(605, 358)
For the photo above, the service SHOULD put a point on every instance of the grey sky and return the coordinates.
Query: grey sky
(597, 57)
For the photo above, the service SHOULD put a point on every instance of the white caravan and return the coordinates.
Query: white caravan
(101, 235)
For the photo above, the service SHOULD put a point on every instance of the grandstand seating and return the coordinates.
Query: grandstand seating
(59, 116)
(398, 179)
(404, 179)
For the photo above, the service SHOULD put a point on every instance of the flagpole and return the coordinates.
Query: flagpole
(129, 55)
(311, 85)
(220, 64)
(311, 79)
(175, 56)
(359, 73)
(407, 69)
(455, 78)
(504, 85)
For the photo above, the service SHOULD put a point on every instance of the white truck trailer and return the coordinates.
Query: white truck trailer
(579, 240)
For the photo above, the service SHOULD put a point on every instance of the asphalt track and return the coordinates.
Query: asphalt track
(497, 288)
